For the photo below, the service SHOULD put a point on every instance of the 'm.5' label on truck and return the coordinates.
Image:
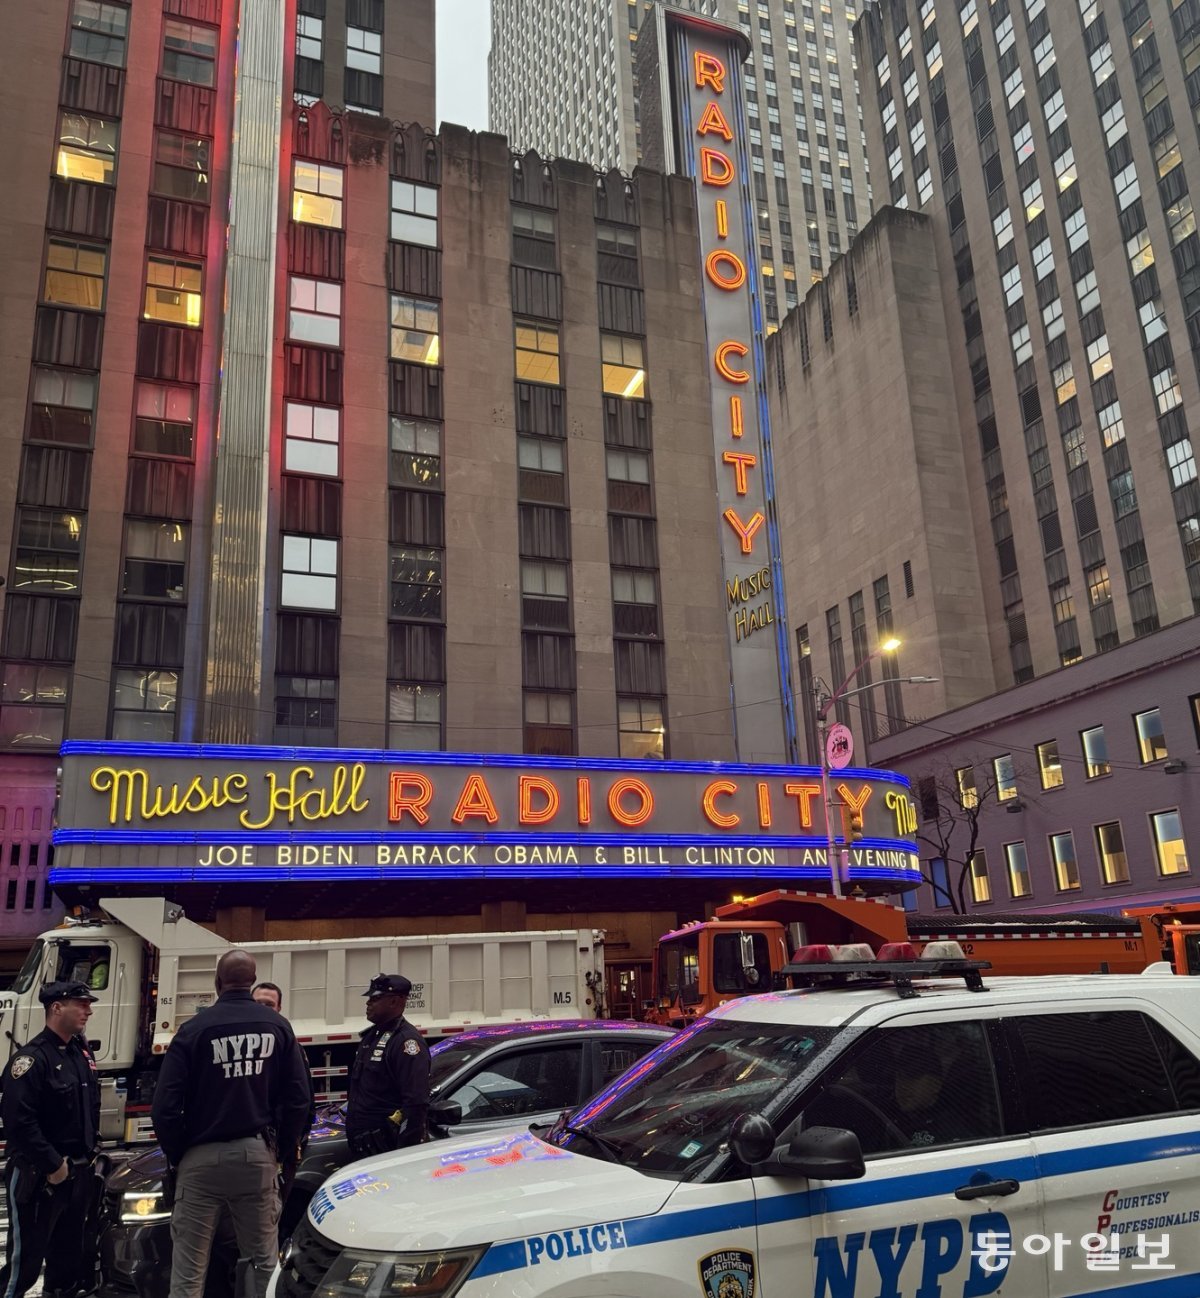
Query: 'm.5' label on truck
(882, 1256)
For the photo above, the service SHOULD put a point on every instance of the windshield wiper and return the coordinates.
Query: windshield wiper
(609, 1148)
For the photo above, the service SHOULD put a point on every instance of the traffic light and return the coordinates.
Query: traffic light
(852, 824)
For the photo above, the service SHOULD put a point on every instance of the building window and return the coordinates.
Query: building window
(416, 453)
(1098, 585)
(189, 53)
(1152, 741)
(1181, 462)
(939, 881)
(628, 481)
(623, 365)
(33, 703)
(1066, 866)
(1006, 778)
(1169, 849)
(415, 717)
(317, 194)
(549, 728)
(1049, 764)
(640, 722)
(309, 573)
(416, 582)
(540, 470)
(311, 440)
(1110, 851)
(305, 711)
(1018, 870)
(981, 887)
(1194, 704)
(415, 330)
(1112, 426)
(364, 50)
(63, 406)
(98, 32)
(414, 213)
(47, 552)
(544, 587)
(1095, 753)
(968, 793)
(315, 311)
(1167, 393)
(87, 149)
(181, 167)
(1099, 357)
(173, 291)
(144, 705)
(164, 420)
(155, 559)
(537, 352)
(533, 237)
(75, 274)
(631, 586)
(309, 34)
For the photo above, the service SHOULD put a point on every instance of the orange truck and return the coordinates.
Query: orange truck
(745, 947)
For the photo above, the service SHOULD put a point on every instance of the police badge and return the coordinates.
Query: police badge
(21, 1065)
(728, 1274)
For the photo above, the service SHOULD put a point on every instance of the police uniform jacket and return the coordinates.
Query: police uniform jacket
(51, 1102)
(390, 1073)
(234, 1070)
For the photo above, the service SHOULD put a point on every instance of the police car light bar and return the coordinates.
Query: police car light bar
(819, 966)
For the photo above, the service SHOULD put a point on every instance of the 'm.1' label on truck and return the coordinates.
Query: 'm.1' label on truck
(843, 1263)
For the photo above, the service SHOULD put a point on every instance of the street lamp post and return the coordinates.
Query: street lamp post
(825, 704)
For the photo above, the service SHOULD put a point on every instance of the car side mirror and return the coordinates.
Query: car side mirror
(752, 1139)
(446, 1113)
(820, 1153)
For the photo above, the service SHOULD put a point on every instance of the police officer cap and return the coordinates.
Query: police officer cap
(65, 991)
(385, 984)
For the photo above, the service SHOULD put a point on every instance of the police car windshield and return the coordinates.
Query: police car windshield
(670, 1113)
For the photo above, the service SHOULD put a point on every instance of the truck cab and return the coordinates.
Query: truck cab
(703, 965)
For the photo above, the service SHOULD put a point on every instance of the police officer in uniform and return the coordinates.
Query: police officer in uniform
(51, 1111)
(231, 1100)
(388, 1100)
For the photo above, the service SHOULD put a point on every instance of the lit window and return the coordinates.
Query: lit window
(63, 405)
(623, 365)
(181, 167)
(981, 888)
(1002, 228)
(87, 149)
(317, 193)
(415, 330)
(1006, 778)
(1110, 851)
(1065, 170)
(1066, 866)
(1062, 602)
(75, 274)
(33, 701)
(98, 32)
(173, 291)
(416, 453)
(416, 583)
(536, 353)
(309, 34)
(48, 551)
(1167, 394)
(315, 311)
(1169, 849)
(1098, 588)
(309, 573)
(1112, 426)
(164, 419)
(415, 717)
(311, 435)
(414, 213)
(1152, 741)
(189, 52)
(968, 793)
(144, 705)
(1018, 870)
(1064, 383)
(1099, 357)
(1095, 753)
(363, 50)
(1050, 764)
(1032, 198)
(1181, 463)
(642, 731)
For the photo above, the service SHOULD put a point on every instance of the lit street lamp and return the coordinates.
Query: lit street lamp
(825, 702)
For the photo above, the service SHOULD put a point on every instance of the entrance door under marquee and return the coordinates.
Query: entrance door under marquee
(628, 987)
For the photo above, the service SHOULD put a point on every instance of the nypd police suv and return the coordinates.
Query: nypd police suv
(1036, 1138)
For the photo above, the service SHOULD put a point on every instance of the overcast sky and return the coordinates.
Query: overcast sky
(463, 36)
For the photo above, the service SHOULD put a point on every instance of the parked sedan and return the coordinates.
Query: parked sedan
(480, 1080)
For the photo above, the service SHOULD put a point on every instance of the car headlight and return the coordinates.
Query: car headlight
(139, 1206)
(398, 1275)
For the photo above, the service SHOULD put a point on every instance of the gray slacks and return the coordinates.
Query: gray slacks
(236, 1174)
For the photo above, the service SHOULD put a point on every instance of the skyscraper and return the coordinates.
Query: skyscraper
(563, 78)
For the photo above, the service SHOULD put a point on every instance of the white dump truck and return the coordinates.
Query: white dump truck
(151, 969)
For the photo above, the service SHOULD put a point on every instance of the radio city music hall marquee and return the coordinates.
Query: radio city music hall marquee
(147, 813)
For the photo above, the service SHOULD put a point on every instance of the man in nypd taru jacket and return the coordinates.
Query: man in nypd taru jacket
(232, 1100)
(387, 1104)
(51, 1111)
